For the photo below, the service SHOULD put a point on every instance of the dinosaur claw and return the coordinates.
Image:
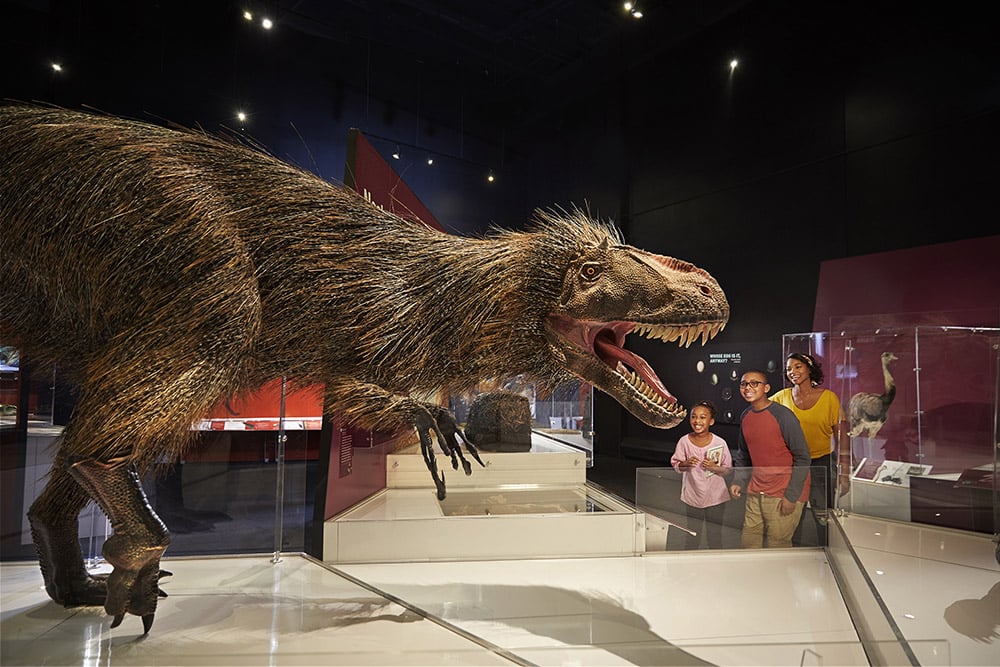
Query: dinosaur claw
(165, 573)
(441, 493)
(467, 467)
(147, 623)
(161, 593)
(117, 620)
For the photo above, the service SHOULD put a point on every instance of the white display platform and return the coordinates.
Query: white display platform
(548, 462)
(518, 505)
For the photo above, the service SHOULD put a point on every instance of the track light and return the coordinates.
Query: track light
(267, 23)
(633, 9)
(430, 160)
(489, 177)
(395, 153)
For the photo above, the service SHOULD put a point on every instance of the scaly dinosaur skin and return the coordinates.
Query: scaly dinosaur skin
(164, 269)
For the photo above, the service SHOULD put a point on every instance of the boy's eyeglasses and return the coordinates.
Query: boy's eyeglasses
(753, 384)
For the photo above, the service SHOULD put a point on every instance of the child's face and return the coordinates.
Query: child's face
(753, 387)
(701, 419)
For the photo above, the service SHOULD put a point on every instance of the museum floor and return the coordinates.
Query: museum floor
(779, 607)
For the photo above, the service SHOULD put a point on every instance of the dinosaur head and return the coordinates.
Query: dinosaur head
(612, 290)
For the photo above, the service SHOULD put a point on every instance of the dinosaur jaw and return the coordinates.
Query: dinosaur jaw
(595, 352)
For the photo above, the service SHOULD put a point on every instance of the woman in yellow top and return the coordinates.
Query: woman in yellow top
(822, 419)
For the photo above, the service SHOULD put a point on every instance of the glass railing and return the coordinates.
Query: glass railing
(699, 509)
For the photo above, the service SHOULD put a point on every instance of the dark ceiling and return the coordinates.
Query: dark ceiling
(511, 60)
(512, 48)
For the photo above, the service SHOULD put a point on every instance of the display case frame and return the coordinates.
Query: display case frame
(940, 427)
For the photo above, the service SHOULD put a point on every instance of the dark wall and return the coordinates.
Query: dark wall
(847, 128)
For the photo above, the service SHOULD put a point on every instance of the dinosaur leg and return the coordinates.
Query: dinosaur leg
(54, 529)
(139, 539)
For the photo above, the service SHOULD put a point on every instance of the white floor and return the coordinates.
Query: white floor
(939, 584)
(728, 608)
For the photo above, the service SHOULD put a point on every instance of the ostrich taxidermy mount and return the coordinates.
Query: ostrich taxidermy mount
(868, 411)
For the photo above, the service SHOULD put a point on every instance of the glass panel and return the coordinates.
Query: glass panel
(246, 484)
(658, 492)
(921, 405)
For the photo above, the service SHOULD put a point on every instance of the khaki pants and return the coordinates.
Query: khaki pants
(763, 524)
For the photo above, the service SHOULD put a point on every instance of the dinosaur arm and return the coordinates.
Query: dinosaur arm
(373, 407)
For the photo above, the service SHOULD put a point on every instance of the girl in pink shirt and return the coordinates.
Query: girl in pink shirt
(703, 459)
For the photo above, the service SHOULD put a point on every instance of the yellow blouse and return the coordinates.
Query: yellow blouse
(818, 422)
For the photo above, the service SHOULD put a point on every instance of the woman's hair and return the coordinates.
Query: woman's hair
(815, 368)
(706, 404)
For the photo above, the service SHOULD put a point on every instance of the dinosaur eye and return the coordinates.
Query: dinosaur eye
(590, 271)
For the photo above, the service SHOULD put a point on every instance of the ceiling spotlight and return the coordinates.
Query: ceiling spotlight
(628, 6)
(733, 63)
(241, 116)
(56, 67)
(490, 178)
(636, 14)
(248, 15)
(430, 160)
(395, 153)
(267, 24)
(633, 9)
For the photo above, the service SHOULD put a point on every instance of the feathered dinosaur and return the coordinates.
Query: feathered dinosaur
(162, 269)
(867, 411)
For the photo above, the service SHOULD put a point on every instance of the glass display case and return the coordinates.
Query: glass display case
(921, 406)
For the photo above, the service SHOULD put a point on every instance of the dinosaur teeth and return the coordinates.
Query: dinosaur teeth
(640, 386)
(684, 336)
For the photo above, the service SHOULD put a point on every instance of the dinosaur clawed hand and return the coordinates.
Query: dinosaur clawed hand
(434, 418)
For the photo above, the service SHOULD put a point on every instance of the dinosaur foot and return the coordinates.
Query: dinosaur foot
(138, 542)
(85, 591)
(90, 591)
(135, 590)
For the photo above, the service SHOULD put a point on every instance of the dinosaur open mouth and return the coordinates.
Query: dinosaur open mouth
(596, 352)
(608, 344)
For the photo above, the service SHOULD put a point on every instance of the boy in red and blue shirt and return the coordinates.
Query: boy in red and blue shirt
(772, 443)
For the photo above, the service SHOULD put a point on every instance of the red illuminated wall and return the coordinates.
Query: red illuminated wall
(959, 282)
(373, 177)
(903, 302)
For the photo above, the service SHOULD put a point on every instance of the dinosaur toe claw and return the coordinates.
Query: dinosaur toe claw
(117, 620)
(165, 573)
(147, 623)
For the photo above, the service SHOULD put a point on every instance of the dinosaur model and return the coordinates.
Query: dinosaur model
(162, 269)
(868, 411)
